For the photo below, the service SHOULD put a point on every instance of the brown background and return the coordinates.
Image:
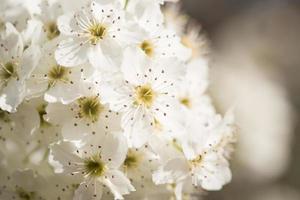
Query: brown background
(213, 15)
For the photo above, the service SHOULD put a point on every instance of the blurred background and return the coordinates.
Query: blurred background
(255, 68)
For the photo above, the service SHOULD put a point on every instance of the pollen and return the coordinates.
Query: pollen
(90, 108)
(57, 73)
(94, 166)
(195, 162)
(98, 32)
(52, 30)
(144, 95)
(186, 102)
(147, 47)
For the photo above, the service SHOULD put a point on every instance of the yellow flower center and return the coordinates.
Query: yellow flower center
(52, 30)
(144, 95)
(57, 73)
(186, 102)
(98, 32)
(147, 47)
(94, 166)
(8, 70)
(195, 162)
(90, 108)
(132, 160)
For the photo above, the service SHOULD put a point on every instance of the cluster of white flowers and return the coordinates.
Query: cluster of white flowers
(106, 99)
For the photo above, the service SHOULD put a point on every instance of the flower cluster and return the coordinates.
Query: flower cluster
(106, 99)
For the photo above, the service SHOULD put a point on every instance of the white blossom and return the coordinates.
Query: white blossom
(100, 25)
(106, 99)
(97, 164)
(145, 96)
(16, 67)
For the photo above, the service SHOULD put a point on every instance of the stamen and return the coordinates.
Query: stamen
(144, 95)
(186, 102)
(195, 162)
(157, 125)
(52, 30)
(132, 160)
(94, 166)
(98, 32)
(57, 73)
(90, 108)
(176, 145)
(147, 47)
(42, 111)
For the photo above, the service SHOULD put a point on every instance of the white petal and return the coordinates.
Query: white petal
(118, 183)
(88, 191)
(105, 56)
(30, 60)
(173, 171)
(113, 97)
(213, 173)
(67, 24)
(72, 52)
(27, 119)
(74, 129)
(34, 32)
(12, 96)
(137, 127)
(134, 65)
(197, 75)
(63, 153)
(64, 93)
(114, 149)
(12, 44)
(57, 113)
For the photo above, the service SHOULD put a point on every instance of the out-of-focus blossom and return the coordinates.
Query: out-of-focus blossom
(254, 54)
